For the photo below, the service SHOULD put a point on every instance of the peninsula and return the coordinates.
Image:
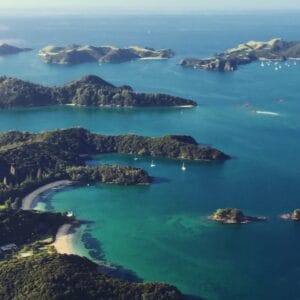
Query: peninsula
(87, 91)
(29, 160)
(78, 54)
(228, 61)
(6, 49)
(233, 216)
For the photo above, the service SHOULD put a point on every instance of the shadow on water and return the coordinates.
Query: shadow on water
(160, 180)
(96, 252)
(191, 297)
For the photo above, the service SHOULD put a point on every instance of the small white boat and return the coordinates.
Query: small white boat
(183, 167)
(135, 158)
(262, 64)
(153, 165)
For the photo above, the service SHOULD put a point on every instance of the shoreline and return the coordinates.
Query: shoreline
(30, 201)
(63, 243)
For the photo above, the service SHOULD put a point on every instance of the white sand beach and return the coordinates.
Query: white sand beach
(29, 202)
(63, 240)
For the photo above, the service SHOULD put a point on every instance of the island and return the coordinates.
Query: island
(6, 49)
(233, 216)
(78, 54)
(228, 61)
(87, 91)
(294, 216)
(31, 160)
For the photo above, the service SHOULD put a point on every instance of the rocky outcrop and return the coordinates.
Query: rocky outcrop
(294, 216)
(6, 49)
(228, 61)
(233, 216)
(87, 91)
(78, 54)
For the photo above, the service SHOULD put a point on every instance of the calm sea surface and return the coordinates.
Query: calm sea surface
(161, 232)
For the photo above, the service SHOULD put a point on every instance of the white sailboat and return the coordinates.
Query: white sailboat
(153, 165)
(183, 167)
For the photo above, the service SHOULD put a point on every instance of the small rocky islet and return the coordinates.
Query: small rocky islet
(78, 54)
(89, 90)
(6, 49)
(228, 61)
(233, 216)
(294, 215)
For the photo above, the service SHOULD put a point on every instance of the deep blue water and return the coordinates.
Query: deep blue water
(161, 232)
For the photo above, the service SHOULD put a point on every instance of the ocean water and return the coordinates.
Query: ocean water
(161, 232)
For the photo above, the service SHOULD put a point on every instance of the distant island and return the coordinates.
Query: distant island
(233, 216)
(228, 61)
(87, 91)
(294, 216)
(78, 54)
(6, 49)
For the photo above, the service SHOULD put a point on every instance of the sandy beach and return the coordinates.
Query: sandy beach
(63, 240)
(29, 201)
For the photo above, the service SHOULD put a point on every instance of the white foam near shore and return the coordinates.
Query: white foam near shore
(270, 113)
(29, 201)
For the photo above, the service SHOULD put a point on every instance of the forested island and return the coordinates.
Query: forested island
(87, 91)
(78, 54)
(6, 49)
(228, 61)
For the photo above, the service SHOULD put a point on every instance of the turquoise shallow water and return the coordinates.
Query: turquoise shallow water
(161, 232)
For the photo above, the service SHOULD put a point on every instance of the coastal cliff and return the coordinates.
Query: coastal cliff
(87, 91)
(228, 61)
(78, 54)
